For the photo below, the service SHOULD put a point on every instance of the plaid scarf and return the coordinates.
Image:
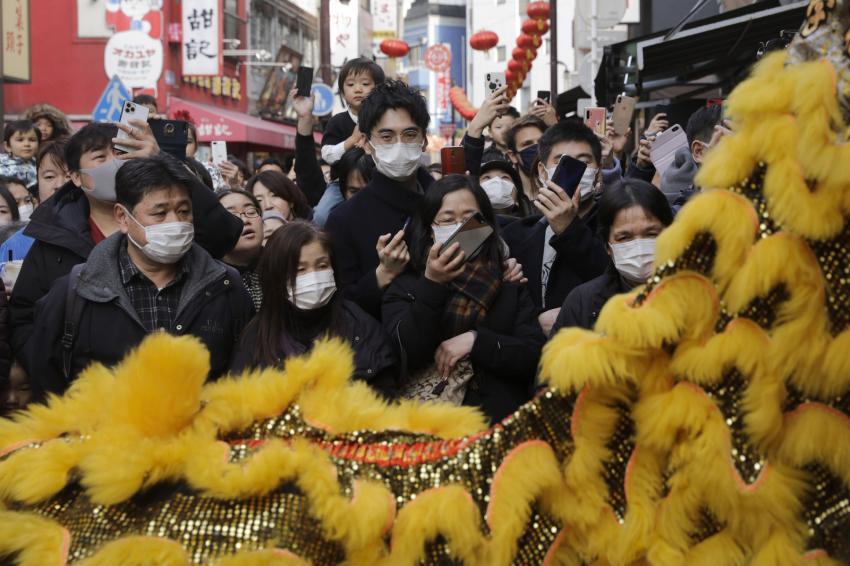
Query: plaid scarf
(475, 290)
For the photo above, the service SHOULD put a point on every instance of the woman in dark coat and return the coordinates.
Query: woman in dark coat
(461, 333)
(631, 215)
(301, 305)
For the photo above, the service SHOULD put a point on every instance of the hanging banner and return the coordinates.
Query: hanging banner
(135, 57)
(16, 40)
(384, 20)
(202, 28)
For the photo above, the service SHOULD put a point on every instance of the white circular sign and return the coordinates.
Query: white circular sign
(135, 57)
(609, 12)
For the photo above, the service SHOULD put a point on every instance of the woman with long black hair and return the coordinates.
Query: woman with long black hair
(463, 334)
(301, 304)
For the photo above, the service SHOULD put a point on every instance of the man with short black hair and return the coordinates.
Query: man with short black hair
(148, 276)
(521, 140)
(558, 248)
(367, 229)
(67, 226)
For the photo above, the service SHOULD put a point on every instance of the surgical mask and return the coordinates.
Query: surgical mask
(25, 211)
(313, 290)
(397, 161)
(500, 192)
(585, 186)
(527, 157)
(167, 242)
(104, 180)
(443, 233)
(634, 259)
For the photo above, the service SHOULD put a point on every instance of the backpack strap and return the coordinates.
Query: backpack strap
(73, 313)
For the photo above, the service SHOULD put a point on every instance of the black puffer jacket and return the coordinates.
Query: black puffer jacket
(374, 358)
(584, 303)
(506, 349)
(62, 235)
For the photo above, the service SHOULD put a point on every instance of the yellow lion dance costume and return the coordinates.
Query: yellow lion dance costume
(704, 422)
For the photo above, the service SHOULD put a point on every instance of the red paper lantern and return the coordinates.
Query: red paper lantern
(528, 41)
(510, 75)
(515, 66)
(395, 48)
(535, 27)
(483, 40)
(538, 10)
(519, 53)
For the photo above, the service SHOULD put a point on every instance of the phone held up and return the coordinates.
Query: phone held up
(666, 145)
(219, 151)
(130, 111)
(494, 81)
(596, 120)
(471, 235)
(568, 174)
(624, 109)
(304, 81)
(453, 160)
(545, 96)
(171, 136)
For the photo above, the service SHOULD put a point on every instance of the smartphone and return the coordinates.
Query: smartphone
(545, 95)
(171, 136)
(568, 174)
(471, 235)
(663, 150)
(624, 109)
(453, 160)
(495, 81)
(219, 151)
(304, 82)
(595, 119)
(130, 111)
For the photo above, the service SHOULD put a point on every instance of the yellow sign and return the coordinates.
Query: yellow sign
(16, 40)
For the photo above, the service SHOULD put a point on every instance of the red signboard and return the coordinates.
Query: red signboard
(438, 58)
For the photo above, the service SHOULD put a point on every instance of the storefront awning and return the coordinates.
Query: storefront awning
(215, 123)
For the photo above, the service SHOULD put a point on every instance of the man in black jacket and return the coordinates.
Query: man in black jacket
(558, 248)
(149, 276)
(68, 226)
(368, 229)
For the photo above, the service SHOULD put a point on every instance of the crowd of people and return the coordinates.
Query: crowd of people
(102, 247)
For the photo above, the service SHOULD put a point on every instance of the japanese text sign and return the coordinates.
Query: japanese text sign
(201, 37)
(16, 40)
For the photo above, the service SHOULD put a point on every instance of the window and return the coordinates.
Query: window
(501, 53)
(499, 2)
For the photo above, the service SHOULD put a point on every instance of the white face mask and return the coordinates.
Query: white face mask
(25, 211)
(585, 186)
(167, 242)
(313, 290)
(398, 161)
(634, 259)
(104, 180)
(500, 192)
(443, 233)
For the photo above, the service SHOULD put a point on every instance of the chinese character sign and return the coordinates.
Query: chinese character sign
(384, 20)
(135, 57)
(16, 40)
(201, 37)
(345, 31)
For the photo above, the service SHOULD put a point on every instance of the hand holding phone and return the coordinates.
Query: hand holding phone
(624, 109)
(494, 81)
(568, 174)
(666, 145)
(171, 136)
(471, 235)
(304, 81)
(596, 120)
(130, 111)
(219, 151)
(445, 263)
(559, 209)
(545, 96)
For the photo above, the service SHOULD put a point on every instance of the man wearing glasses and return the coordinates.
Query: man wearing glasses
(368, 229)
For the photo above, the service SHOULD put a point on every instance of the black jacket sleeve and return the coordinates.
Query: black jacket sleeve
(216, 230)
(570, 314)
(308, 174)
(473, 150)
(511, 355)
(31, 285)
(412, 315)
(339, 128)
(635, 172)
(360, 286)
(581, 249)
(43, 354)
(5, 347)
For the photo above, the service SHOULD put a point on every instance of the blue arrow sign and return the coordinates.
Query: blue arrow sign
(323, 99)
(111, 102)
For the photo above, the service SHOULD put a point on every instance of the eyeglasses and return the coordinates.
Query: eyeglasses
(249, 212)
(407, 136)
